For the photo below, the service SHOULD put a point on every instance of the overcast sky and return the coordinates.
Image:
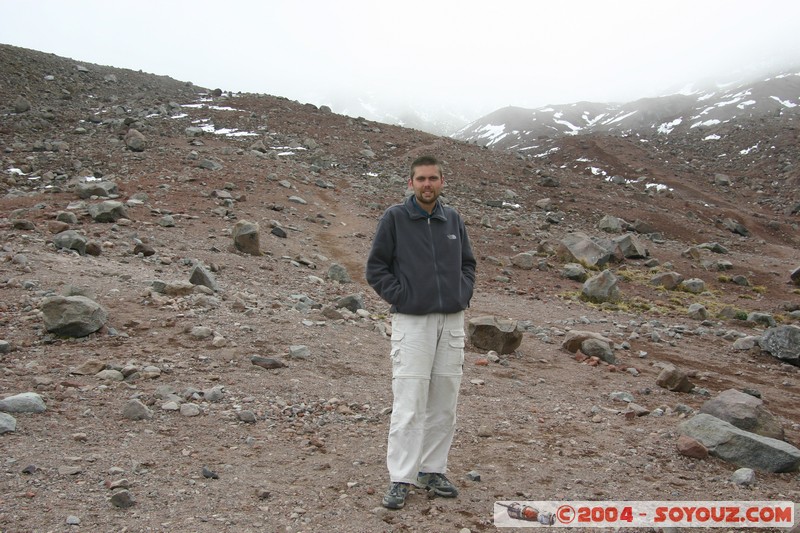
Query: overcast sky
(470, 56)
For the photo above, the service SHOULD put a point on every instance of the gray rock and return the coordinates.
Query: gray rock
(122, 499)
(715, 247)
(176, 288)
(722, 180)
(70, 240)
(189, 409)
(795, 276)
(631, 246)
(694, 285)
(135, 140)
(5, 347)
(745, 412)
(601, 288)
(575, 272)
(246, 416)
(299, 351)
(502, 335)
(764, 319)
(167, 221)
(266, 362)
(108, 211)
(598, 348)
(351, 302)
(740, 447)
(674, 380)
(246, 237)
(73, 316)
(782, 342)
(524, 261)
(110, 374)
(580, 248)
(88, 189)
(202, 276)
(67, 216)
(745, 343)
(136, 410)
(574, 339)
(640, 226)
(337, 272)
(611, 224)
(210, 164)
(21, 104)
(297, 200)
(26, 402)
(668, 280)
(201, 332)
(744, 477)
(697, 311)
(214, 394)
(73, 520)
(736, 227)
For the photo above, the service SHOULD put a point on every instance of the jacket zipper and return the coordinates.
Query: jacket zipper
(435, 266)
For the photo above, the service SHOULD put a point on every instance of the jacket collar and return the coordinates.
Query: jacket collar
(416, 212)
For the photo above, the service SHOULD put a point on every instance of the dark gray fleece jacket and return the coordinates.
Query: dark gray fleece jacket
(422, 263)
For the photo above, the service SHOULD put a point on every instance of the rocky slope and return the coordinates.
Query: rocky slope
(161, 421)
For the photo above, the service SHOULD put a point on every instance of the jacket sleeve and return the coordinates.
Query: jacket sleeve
(468, 262)
(379, 272)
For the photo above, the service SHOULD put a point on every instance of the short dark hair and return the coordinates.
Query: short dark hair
(424, 161)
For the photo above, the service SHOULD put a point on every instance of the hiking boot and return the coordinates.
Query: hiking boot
(395, 497)
(437, 483)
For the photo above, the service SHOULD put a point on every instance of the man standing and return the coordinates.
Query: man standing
(422, 264)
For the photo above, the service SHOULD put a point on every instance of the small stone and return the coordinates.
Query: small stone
(73, 520)
(8, 424)
(67, 470)
(691, 447)
(246, 416)
(266, 362)
(122, 499)
(473, 475)
(136, 410)
(299, 352)
(209, 474)
(30, 469)
(744, 477)
(189, 409)
(119, 484)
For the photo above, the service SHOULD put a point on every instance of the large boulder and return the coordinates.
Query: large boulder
(202, 276)
(668, 280)
(71, 240)
(729, 443)
(135, 140)
(782, 342)
(674, 379)
(73, 316)
(601, 288)
(26, 402)
(631, 246)
(246, 237)
(795, 276)
(612, 224)
(745, 412)
(580, 248)
(108, 211)
(492, 333)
